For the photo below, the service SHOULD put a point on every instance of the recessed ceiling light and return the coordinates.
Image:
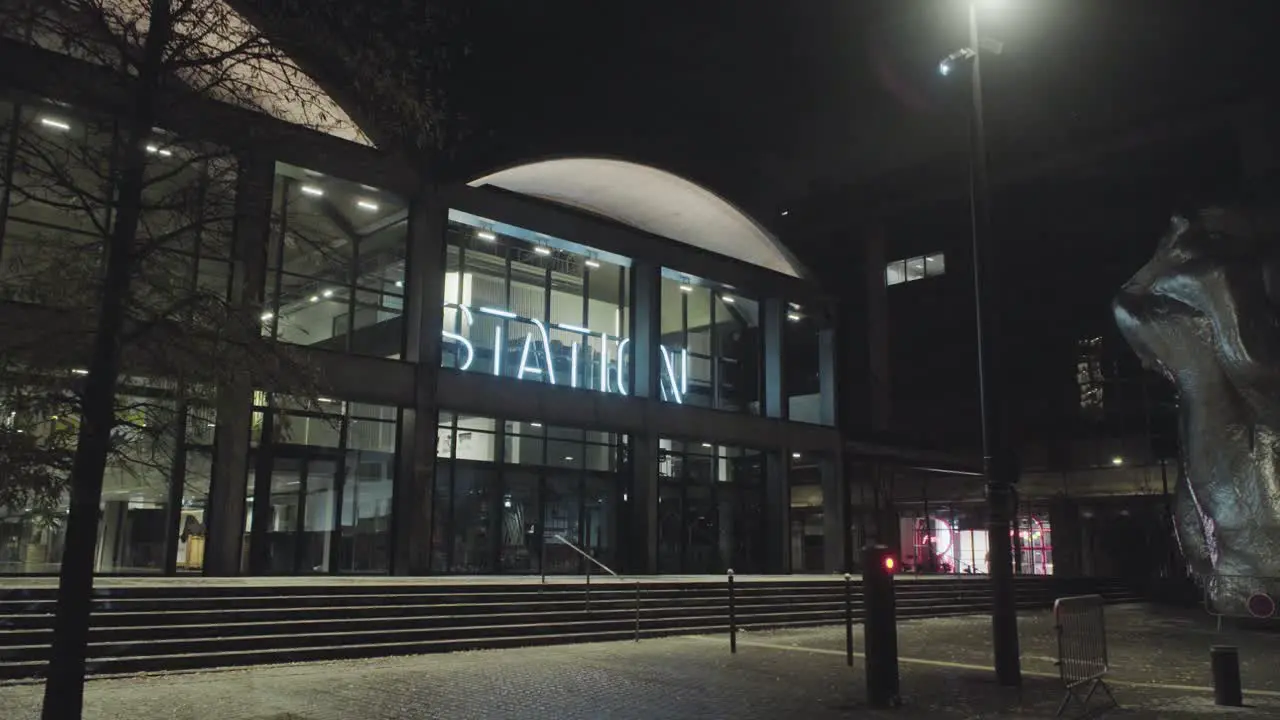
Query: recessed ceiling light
(399, 283)
(795, 455)
(266, 316)
(686, 288)
(312, 190)
(727, 299)
(55, 123)
(535, 424)
(486, 235)
(706, 444)
(542, 250)
(793, 317)
(80, 371)
(592, 264)
(315, 298)
(568, 457)
(327, 293)
(786, 213)
(367, 205)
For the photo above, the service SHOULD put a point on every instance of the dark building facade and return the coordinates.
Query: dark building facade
(1096, 432)
(569, 355)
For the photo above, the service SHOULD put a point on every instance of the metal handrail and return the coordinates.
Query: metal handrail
(584, 554)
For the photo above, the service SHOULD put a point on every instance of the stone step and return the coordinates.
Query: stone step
(141, 634)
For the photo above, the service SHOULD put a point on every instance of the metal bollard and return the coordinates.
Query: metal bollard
(637, 611)
(1225, 661)
(848, 619)
(733, 619)
(880, 627)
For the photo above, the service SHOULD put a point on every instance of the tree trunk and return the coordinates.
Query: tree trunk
(64, 689)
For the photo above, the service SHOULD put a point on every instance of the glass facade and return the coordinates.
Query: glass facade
(55, 214)
(508, 494)
(711, 345)
(528, 306)
(710, 508)
(335, 265)
(954, 539)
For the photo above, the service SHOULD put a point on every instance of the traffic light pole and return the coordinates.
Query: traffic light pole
(997, 456)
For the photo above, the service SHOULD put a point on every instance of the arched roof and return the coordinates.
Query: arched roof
(651, 200)
(233, 61)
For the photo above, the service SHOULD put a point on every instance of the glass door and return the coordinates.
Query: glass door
(298, 537)
(316, 526)
(521, 534)
(561, 502)
(285, 503)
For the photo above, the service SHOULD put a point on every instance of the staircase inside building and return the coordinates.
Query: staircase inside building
(164, 627)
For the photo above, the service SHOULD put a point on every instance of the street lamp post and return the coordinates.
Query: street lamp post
(999, 466)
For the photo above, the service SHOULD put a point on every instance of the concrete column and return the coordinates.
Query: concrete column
(224, 517)
(877, 330)
(646, 331)
(835, 518)
(827, 387)
(777, 513)
(413, 489)
(772, 317)
(1066, 536)
(642, 504)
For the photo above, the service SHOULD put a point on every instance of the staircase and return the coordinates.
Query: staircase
(155, 628)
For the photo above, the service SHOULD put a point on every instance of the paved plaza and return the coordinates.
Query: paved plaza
(1160, 659)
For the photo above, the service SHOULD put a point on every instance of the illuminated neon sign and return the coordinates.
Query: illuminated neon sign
(675, 364)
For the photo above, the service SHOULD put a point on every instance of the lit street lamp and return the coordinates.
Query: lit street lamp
(998, 463)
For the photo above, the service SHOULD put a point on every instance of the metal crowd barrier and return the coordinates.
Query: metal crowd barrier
(1241, 596)
(1082, 650)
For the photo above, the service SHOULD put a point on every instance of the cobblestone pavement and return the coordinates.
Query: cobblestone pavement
(1145, 644)
(781, 674)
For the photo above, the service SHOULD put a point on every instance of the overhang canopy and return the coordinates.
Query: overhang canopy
(651, 200)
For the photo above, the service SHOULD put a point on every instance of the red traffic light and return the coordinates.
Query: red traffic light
(888, 563)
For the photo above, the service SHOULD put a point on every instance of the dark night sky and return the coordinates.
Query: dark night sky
(762, 100)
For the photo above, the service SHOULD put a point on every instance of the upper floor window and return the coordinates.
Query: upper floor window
(710, 345)
(533, 307)
(916, 268)
(335, 264)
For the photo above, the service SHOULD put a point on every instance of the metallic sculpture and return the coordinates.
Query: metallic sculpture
(1205, 311)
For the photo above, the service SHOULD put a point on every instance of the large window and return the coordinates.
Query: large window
(56, 211)
(138, 527)
(320, 489)
(56, 191)
(510, 496)
(528, 306)
(711, 345)
(802, 362)
(916, 268)
(336, 265)
(710, 508)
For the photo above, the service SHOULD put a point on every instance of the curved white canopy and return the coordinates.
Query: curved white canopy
(651, 200)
